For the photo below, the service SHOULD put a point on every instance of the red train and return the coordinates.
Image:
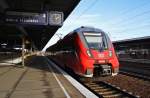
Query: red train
(87, 52)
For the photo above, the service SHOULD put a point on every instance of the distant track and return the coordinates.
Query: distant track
(135, 75)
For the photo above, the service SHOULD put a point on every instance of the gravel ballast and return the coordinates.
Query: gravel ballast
(137, 86)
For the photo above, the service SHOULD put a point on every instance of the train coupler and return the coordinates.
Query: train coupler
(102, 70)
(106, 69)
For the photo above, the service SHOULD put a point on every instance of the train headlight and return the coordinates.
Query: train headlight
(89, 53)
(110, 53)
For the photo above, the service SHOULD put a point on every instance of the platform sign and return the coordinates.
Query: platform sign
(56, 18)
(26, 18)
(52, 18)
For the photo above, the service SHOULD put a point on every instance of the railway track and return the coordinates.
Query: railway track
(135, 75)
(106, 90)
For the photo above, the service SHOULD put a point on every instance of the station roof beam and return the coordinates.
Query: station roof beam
(40, 35)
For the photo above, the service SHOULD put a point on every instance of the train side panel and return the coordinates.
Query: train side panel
(83, 58)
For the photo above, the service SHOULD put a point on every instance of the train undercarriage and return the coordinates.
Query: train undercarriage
(102, 70)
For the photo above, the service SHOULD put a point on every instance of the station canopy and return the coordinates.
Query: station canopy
(37, 20)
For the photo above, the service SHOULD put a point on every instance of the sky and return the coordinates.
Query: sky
(120, 19)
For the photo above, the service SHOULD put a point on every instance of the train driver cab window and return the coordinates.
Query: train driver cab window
(95, 41)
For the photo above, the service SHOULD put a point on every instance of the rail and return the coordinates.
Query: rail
(139, 76)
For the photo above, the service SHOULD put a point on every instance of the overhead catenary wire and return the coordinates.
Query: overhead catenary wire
(125, 12)
(130, 25)
(133, 17)
(86, 10)
(123, 22)
(76, 18)
(135, 28)
(132, 22)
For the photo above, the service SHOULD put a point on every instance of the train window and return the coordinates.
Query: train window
(95, 41)
(108, 41)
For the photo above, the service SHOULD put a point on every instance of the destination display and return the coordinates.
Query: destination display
(26, 18)
(53, 18)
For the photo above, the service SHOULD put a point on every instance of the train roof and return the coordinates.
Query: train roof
(87, 29)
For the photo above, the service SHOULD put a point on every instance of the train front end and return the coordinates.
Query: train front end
(97, 55)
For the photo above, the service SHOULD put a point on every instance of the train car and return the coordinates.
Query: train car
(87, 51)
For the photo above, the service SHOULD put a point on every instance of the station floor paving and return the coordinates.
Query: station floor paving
(35, 80)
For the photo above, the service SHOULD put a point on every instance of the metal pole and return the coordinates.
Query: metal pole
(31, 47)
(23, 47)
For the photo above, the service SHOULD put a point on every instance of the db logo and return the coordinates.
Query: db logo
(101, 55)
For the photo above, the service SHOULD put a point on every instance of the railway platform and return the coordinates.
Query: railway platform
(39, 79)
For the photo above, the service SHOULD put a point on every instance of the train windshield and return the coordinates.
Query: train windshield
(95, 41)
